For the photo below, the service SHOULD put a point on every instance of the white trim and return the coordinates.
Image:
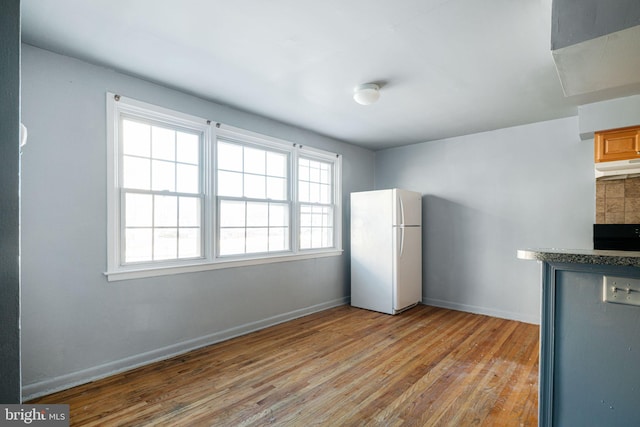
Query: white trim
(155, 112)
(337, 202)
(118, 106)
(209, 212)
(482, 310)
(113, 223)
(84, 376)
(336, 162)
(226, 133)
(153, 271)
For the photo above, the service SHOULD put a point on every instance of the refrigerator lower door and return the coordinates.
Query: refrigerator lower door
(407, 267)
(372, 251)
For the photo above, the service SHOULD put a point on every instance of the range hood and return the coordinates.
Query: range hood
(617, 169)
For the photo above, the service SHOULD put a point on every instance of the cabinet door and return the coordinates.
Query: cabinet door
(594, 357)
(620, 144)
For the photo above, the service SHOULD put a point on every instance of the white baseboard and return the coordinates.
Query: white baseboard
(51, 385)
(483, 310)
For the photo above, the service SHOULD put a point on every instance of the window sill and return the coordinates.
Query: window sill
(140, 273)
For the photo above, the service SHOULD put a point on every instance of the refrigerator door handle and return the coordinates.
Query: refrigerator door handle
(401, 211)
(401, 241)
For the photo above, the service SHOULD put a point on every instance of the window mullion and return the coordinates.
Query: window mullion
(209, 209)
(153, 227)
(295, 209)
(246, 226)
(121, 226)
(178, 199)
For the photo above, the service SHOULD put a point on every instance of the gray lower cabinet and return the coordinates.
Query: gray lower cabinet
(590, 349)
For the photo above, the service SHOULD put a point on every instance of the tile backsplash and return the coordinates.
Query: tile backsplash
(618, 201)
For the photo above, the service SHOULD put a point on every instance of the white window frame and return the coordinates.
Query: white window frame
(118, 106)
(336, 161)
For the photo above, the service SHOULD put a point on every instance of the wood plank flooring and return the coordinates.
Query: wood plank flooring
(341, 367)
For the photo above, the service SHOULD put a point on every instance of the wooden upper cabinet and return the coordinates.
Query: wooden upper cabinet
(617, 144)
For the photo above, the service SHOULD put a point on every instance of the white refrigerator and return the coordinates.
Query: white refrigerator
(386, 250)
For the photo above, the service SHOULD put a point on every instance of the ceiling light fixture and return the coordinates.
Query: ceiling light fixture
(366, 94)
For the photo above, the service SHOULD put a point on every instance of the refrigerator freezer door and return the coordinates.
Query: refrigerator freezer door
(408, 208)
(407, 267)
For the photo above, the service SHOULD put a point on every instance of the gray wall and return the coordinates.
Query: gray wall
(576, 21)
(76, 325)
(9, 202)
(488, 195)
(610, 114)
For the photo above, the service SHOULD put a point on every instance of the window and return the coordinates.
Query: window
(161, 191)
(253, 199)
(188, 195)
(315, 194)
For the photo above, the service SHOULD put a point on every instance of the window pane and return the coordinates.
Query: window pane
(231, 241)
(278, 239)
(303, 191)
(163, 176)
(163, 143)
(276, 164)
(328, 217)
(229, 157)
(189, 245)
(315, 182)
(188, 148)
(278, 215)
(257, 214)
(136, 173)
(316, 227)
(325, 194)
(303, 170)
(327, 237)
(229, 184)
(316, 238)
(188, 179)
(189, 212)
(305, 238)
(232, 214)
(139, 210)
(324, 174)
(165, 243)
(137, 245)
(267, 227)
(305, 216)
(316, 218)
(276, 188)
(255, 186)
(165, 211)
(254, 161)
(314, 171)
(314, 192)
(136, 138)
(257, 240)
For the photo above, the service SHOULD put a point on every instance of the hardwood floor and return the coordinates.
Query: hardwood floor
(341, 367)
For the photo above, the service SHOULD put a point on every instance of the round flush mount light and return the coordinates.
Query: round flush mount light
(366, 94)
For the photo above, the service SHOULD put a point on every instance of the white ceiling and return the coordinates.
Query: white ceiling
(448, 67)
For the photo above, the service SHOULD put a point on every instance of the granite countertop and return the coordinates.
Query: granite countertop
(583, 256)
